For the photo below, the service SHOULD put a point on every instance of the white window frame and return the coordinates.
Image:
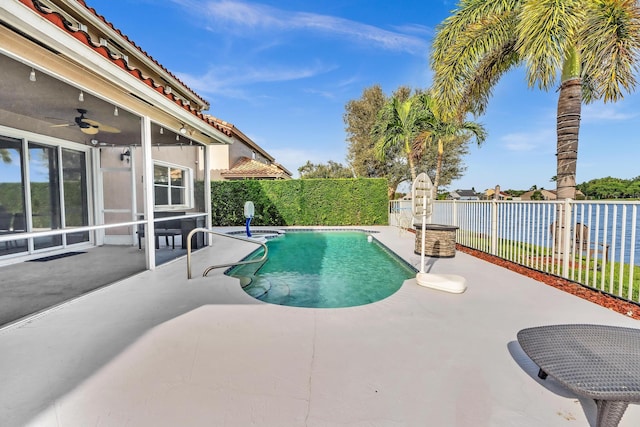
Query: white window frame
(188, 187)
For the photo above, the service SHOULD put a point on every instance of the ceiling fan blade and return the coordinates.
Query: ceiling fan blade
(90, 130)
(91, 122)
(109, 129)
(104, 128)
(62, 125)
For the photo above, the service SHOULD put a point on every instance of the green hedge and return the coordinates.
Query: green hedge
(301, 202)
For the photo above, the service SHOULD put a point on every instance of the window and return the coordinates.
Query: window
(172, 186)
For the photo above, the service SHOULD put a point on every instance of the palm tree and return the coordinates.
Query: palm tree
(591, 45)
(441, 132)
(399, 123)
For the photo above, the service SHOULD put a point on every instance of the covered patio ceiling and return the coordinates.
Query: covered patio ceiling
(49, 106)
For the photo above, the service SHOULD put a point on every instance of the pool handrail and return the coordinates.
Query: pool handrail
(208, 269)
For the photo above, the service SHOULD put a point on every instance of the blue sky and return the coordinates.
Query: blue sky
(283, 71)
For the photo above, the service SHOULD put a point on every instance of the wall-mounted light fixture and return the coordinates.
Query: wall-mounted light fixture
(125, 155)
(161, 131)
(115, 110)
(81, 97)
(32, 75)
(94, 141)
(183, 130)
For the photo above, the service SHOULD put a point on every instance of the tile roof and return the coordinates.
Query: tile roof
(249, 168)
(58, 20)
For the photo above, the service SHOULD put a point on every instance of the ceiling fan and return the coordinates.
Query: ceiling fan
(90, 127)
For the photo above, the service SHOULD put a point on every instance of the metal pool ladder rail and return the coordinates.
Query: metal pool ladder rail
(208, 269)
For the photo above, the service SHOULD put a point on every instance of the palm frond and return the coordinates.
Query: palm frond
(610, 46)
(463, 41)
(546, 29)
(486, 75)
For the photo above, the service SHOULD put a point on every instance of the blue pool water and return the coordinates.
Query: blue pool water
(323, 270)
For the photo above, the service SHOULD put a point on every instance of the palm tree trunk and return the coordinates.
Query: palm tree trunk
(436, 180)
(412, 164)
(568, 125)
(391, 193)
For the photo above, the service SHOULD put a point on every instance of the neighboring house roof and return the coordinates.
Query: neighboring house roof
(490, 193)
(249, 168)
(464, 194)
(241, 136)
(546, 194)
(56, 18)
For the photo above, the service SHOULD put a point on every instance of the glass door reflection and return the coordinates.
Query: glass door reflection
(45, 194)
(76, 205)
(12, 211)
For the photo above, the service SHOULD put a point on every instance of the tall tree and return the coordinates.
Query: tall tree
(591, 46)
(359, 118)
(452, 164)
(441, 132)
(398, 124)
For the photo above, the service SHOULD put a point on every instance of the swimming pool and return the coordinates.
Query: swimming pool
(327, 269)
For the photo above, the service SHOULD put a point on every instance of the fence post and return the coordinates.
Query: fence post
(455, 214)
(494, 227)
(566, 237)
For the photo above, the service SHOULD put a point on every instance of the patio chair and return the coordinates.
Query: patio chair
(5, 226)
(18, 223)
(166, 229)
(582, 243)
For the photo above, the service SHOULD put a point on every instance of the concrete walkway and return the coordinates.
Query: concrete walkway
(158, 350)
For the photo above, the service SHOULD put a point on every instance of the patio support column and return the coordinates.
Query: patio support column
(98, 195)
(207, 189)
(147, 185)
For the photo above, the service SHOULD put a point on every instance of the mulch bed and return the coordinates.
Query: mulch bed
(624, 307)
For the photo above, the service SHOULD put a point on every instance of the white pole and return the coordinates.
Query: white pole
(424, 222)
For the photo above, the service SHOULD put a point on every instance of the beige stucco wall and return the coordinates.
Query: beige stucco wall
(219, 156)
(117, 177)
(239, 150)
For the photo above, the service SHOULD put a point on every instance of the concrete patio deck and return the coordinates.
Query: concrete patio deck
(158, 350)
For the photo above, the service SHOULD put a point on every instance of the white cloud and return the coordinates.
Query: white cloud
(418, 29)
(522, 141)
(601, 112)
(229, 81)
(242, 17)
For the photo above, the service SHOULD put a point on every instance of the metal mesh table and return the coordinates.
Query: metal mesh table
(594, 361)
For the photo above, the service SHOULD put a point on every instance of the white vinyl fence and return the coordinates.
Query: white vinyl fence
(592, 243)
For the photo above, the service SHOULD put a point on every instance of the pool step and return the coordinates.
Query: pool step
(260, 286)
(279, 293)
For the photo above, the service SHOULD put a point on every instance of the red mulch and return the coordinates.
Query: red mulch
(627, 308)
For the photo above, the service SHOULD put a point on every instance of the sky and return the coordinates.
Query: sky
(283, 71)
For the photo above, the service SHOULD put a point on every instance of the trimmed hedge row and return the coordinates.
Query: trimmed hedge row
(335, 202)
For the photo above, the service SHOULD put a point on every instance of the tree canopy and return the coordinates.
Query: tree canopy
(611, 188)
(330, 170)
(360, 117)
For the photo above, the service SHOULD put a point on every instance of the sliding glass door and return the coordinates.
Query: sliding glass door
(76, 205)
(43, 187)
